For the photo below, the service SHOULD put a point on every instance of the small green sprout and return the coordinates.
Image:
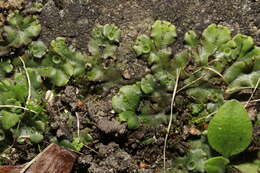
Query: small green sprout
(103, 40)
(194, 160)
(148, 84)
(36, 138)
(163, 34)
(77, 145)
(143, 45)
(26, 132)
(127, 99)
(230, 131)
(62, 62)
(37, 49)
(102, 45)
(111, 32)
(191, 39)
(156, 47)
(9, 119)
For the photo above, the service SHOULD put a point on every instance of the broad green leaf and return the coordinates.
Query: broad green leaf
(216, 164)
(230, 131)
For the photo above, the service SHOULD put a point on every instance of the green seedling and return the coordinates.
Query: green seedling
(143, 45)
(62, 62)
(191, 39)
(36, 138)
(76, 144)
(103, 41)
(102, 45)
(37, 49)
(127, 99)
(163, 33)
(213, 37)
(194, 160)
(157, 47)
(19, 31)
(148, 84)
(111, 32)
(9, 119)
(230, 131)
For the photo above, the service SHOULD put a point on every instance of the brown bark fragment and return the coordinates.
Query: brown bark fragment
(54, 159)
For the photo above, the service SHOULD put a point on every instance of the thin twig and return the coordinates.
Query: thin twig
(214, 71)
(171, 118)
(77, 116)
(254, 101)
(18, 107)
(206, 117)
(29, 82)
(252, 93)
(237, 89)
(92, 149)
(189, 84)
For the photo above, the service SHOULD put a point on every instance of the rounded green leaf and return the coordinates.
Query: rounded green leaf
(96, 74)
(111, 32)
(148, 84)
(163, 33)
(191, 38)
(36, 138)
(59, 78)
(131, 118)
(143, 45)
(230, 131)
(123, 116)
(9, 119)
(216, 164)
(128, 98)
(37, 49)
(216, 34)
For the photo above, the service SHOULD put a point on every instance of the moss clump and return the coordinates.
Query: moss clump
(28, 124)
(18, 31)
(102, 46)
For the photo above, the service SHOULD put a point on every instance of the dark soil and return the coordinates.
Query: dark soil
(117, 150)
